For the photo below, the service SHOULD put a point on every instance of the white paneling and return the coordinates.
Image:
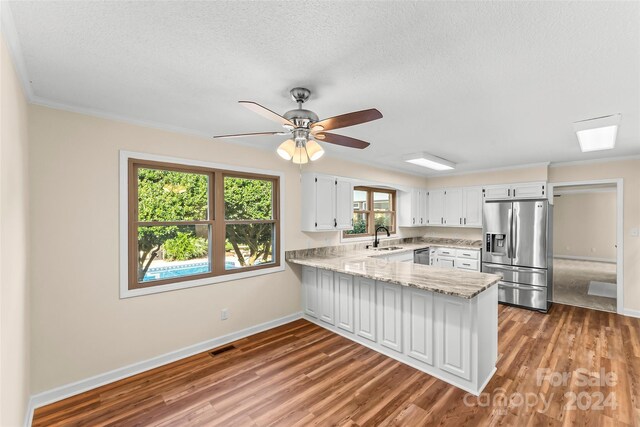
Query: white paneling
(454, 338)
(344, 204)
(365, 303)
(344, 301)
(418, 325)
(325, 203)
(310, 291)
(390, 315)
(453, 207)
(472, 206)
(326, 307)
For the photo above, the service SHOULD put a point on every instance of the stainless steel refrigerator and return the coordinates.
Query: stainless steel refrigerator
(518, 247)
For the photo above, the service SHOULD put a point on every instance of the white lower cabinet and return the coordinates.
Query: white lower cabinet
(418, 321)
(344, 302)
(326, 296)
(365, 303)
(390, 315)
(454, 335)
(310, 291)
(452, 338)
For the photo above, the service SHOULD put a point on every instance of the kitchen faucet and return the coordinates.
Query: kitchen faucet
(376, 242)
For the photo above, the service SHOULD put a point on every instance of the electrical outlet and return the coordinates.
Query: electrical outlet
(224, 314)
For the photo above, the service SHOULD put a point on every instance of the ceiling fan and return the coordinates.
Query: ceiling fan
(305, 129)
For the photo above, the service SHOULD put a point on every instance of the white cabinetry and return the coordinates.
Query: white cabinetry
(418, 321)
(454, 335)
(412, 208)
(327, 203)
(463, 259)
(310, 291)
(525, 190)
(436, 207)
(472, 206)
(365, 302)
(452, 338)
(326, 302)
(344, 301)
(390, 315)
(453, 206)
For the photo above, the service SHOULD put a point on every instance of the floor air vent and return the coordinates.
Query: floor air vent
(222, 350)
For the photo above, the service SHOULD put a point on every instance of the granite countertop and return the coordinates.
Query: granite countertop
(371, 264)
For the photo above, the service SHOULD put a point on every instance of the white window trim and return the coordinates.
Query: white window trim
(125, 292)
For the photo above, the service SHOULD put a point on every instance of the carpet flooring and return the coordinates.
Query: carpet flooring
(571, 280)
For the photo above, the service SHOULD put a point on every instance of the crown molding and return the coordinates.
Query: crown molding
(591, 161)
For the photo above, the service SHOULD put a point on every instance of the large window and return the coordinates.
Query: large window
(372, 207)
(192, 222)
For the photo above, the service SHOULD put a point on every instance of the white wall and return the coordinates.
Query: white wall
(584, 225)
(80, 326)
(14, 278)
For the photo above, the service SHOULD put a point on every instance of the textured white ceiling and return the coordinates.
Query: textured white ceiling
(485, 85)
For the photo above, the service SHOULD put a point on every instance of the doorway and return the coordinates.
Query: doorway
(585, 245)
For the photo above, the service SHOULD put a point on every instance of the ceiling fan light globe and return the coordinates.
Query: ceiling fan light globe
(287, 149)
(300, 156)
(314, 150)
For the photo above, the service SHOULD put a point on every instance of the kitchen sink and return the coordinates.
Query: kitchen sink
(387, 248)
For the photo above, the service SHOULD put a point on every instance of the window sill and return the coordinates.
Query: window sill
(125, 292)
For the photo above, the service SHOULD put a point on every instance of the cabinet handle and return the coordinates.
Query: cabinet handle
(441, 220)
(465, 221)
(335, 222)
(414, 221)
(460, 221)
(420, 220)
(514, 192)
(509, 192)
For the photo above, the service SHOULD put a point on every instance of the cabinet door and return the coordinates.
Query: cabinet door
(436, 207)
(365, 291)
(326, 296)
(344, 205)
(325, 203)
(418, 312)
(453, 207)
(415, 207)
(472, 206)
(453, 317)
(534, 190)
(310, 291)
(446, 262)
(497, 192)
(390, 315)
(344, 301)
(422, 210)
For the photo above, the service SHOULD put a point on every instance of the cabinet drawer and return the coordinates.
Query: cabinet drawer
(446, 252)
(468, 254)
(467, 264)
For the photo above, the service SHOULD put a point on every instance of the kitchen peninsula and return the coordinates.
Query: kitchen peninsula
(441, 321)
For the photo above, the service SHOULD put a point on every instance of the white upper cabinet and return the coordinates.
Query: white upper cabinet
(344, 204)
(327, 203)
(453, 207)
(525, 190)
(472, 206)
(412, 208)
(436, 207)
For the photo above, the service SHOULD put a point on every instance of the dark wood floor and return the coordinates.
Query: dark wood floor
(301, 374)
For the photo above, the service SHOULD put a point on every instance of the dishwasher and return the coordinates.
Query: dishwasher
(421, 256)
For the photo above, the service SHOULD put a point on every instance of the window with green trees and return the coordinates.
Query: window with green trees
(193, 222)
(372, 207)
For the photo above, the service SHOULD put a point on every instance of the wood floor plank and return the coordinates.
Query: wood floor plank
(300, 374)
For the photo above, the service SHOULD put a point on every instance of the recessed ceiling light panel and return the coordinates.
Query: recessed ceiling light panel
(598, 133)
(427, 160)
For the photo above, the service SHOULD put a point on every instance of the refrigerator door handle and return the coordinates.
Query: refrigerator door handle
(514, 231)
(509, 246)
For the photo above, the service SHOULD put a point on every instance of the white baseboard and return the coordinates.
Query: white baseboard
(586, 258)
(68, 390)
(631, 313)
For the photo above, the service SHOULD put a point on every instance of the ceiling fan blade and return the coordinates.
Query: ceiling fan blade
(239, 135)
(265, 112)
(349, 119)
(346, 141)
